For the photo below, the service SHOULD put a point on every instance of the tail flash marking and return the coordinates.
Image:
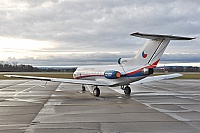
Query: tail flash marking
(154, 64)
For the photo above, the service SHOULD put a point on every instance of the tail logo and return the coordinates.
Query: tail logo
(144, 54)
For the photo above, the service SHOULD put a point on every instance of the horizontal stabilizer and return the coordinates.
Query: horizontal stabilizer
(158, 37)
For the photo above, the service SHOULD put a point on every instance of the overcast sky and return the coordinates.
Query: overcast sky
(81, 32)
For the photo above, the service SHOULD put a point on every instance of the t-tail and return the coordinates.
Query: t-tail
(152, 50)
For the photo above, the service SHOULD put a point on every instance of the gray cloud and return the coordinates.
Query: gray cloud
(99, 26)
(100, 59)
(183, 58)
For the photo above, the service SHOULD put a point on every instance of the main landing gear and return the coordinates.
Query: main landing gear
(95, 90)
(83, 88)
(127, 90)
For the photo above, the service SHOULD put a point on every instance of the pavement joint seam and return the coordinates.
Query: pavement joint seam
(32, 121)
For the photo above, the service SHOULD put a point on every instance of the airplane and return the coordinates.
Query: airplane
(125, 72)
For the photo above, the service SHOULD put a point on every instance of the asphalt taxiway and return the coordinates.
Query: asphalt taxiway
(36, 106)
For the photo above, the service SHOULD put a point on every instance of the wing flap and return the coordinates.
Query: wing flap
(73, 81)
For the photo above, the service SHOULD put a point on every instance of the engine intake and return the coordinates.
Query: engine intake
(112, 74)
(147, 71)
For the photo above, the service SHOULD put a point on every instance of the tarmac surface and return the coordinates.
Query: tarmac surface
(157, 107)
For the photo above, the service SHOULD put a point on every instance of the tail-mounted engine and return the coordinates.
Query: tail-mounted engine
(147, 71)
(112, 74)
(123, 61)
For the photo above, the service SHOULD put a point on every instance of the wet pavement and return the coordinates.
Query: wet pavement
(38, 106)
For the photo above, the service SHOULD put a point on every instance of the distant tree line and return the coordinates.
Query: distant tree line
(183, 69)
(179, 69)
(47, 69)
(14, 67)
(17, 68)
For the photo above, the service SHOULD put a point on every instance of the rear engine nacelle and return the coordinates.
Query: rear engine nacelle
(147, 71)
(112, 74)
(122, 61)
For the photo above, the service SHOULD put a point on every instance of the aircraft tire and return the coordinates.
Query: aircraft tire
(83, 88)
(127, 90)
(96, 92)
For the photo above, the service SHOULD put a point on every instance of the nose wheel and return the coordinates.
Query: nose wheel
(96, 91)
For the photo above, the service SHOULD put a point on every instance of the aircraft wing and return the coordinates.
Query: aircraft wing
(157, 78)
(62, 80)
(92, 82)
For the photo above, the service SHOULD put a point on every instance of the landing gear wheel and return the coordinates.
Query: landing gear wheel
(127, 90)
(83, 88)
(96, 92)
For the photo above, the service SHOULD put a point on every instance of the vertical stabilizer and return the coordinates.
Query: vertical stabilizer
(151, 52)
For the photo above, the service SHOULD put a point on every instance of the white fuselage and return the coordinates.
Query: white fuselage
(97, 73)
